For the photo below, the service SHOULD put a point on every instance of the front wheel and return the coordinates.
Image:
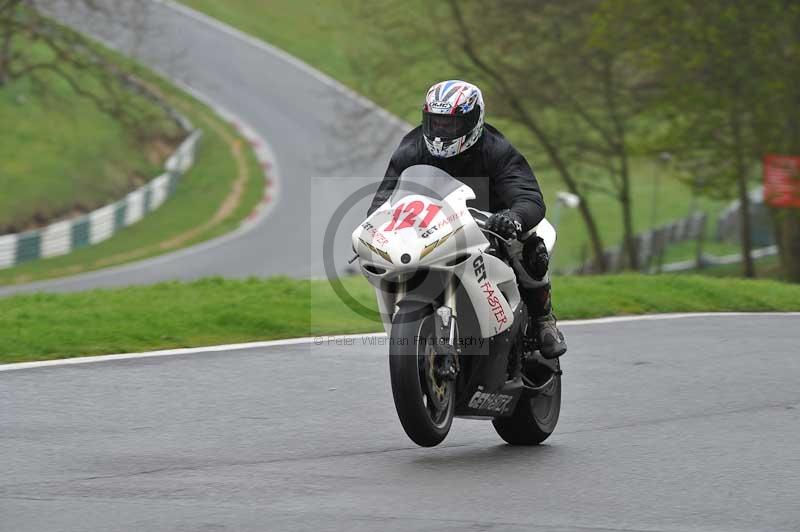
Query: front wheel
(425, 403)
(534, 419)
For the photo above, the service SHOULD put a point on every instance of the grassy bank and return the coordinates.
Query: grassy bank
(214, 311)
(62, 155)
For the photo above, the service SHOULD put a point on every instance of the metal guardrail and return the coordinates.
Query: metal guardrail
(651, 245)
(63, 237)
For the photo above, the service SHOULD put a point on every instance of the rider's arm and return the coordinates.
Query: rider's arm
(386, 187)
(407, 154)
(516, 185)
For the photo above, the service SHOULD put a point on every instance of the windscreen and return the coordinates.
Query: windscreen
(425, 181)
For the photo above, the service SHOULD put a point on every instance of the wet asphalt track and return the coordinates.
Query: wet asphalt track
(317, 132)
(680, 424)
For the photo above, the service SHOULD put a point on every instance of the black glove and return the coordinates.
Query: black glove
(505, 223)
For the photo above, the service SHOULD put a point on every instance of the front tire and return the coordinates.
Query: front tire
(424, 404)
(534, 419)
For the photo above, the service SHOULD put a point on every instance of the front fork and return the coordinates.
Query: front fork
(447, 350)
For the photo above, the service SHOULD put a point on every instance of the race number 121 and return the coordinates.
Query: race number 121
(412, 210)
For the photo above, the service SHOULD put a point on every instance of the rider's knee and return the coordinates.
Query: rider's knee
(531, 263)
(535, 258)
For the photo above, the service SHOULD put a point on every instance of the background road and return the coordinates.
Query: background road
(680, 424)
(314, 128)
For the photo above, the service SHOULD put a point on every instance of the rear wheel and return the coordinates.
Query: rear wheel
(534, 419)
(425, 403)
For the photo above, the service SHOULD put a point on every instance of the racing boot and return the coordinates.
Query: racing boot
(550, 340)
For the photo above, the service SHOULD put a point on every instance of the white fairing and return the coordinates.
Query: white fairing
(414, 230)
(546, 232)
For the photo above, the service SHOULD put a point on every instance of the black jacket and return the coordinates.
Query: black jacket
(492, 167)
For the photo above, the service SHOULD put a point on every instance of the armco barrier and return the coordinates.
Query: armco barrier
(61, 238)
(651, 245)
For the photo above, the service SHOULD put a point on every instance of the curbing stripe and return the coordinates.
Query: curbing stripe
(159, 187)
(101, 224)
(80, 233)
(29, 246)
(120, 209)
(8, 251)
(57, 239)
(148, 200)
(321, 340)
(172, 183)
(135, 210)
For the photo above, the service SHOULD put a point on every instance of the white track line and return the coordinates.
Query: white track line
(320, 340)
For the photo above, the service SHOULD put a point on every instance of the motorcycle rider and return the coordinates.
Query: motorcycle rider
(454, 137)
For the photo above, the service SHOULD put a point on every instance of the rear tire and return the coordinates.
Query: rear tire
(424, 404)
(533, 420)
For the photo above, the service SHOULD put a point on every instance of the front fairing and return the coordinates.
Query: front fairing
(428, 226)
(396, 237)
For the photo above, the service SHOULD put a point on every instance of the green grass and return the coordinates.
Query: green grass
(214, 311)
(198, 196)
(766, 268)
(323, 33)
(62, 155)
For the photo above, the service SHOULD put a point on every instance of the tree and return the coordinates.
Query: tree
(729, 84)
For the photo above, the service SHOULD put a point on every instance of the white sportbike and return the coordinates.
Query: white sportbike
(457, 327)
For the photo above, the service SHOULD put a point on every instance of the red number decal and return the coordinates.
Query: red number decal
(433, 210)
(413, 208)
(395, 216)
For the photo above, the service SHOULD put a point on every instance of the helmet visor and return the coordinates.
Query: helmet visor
(449, 127)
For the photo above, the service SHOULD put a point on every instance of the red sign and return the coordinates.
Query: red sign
(782, 181)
